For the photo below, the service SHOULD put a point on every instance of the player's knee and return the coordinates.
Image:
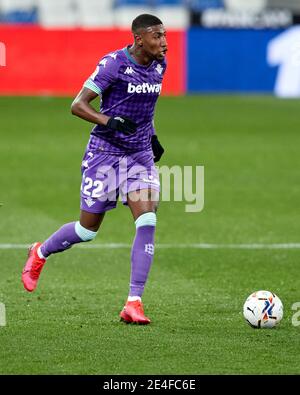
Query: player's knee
(155, 207)
(83, 233)
(153, 197)
(146, 219)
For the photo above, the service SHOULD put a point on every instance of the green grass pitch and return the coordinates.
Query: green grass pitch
(70, 325)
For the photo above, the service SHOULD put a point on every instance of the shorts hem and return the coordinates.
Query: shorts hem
(143, 186)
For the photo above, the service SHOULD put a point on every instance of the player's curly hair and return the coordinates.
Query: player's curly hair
(143, 21)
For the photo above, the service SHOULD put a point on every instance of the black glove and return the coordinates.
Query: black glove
(156, 148)
(122, 124)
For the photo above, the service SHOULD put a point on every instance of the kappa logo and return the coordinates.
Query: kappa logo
(103, 62)
(129, 70)
(66, 243)
(145, 87)
(85, 162)
(113, 55)
(89, 201)
(159, 69)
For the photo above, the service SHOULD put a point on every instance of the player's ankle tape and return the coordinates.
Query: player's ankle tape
(83, 233)
(146, 219)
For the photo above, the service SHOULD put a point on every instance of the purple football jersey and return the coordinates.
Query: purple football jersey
(127, 89)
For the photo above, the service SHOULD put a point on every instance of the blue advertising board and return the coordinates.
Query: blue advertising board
(230, 60)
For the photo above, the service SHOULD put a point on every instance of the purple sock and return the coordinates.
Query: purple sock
(141, 259)
(63, 239)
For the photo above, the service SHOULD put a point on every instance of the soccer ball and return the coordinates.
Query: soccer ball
(263, 309)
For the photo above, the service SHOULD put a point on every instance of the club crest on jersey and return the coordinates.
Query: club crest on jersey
(145, 87)
(129, 70)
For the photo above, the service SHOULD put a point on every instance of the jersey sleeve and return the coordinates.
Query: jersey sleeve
(105, 75)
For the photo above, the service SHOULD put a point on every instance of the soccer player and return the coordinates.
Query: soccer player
(122, 142)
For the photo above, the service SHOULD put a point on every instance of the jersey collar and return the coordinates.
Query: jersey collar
(129, 57)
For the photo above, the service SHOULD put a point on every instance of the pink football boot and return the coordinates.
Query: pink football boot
(33, 268)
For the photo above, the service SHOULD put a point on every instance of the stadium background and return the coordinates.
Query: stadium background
(234, 66)
(244, 47)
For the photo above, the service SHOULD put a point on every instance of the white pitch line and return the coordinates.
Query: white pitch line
(256, 246)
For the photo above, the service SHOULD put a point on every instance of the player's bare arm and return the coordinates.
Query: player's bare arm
(82, 108)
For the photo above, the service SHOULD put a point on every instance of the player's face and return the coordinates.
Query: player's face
(154, 42)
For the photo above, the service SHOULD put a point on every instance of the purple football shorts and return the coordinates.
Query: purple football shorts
(107, 178)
